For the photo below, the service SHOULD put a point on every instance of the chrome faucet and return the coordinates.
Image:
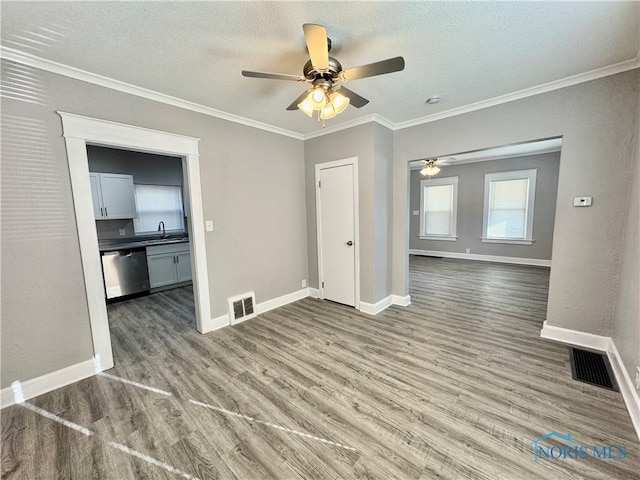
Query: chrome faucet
(161, 228)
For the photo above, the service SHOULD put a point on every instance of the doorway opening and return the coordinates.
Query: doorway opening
(489, 213)
(81, 132)
(142, 227)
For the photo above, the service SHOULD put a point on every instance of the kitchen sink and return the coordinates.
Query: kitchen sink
(157, 241)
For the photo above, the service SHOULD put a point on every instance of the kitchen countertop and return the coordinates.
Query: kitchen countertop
(127, 243)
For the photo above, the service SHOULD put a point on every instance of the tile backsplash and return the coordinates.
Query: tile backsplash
(110, 229)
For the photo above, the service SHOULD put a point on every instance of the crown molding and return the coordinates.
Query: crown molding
(96, 79)
(85, 76)
(527, 92)
(350, 124)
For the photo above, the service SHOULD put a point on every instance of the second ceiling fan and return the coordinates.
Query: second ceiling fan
(323, 72)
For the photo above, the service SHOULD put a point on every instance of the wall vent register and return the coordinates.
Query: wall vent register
(242, 307)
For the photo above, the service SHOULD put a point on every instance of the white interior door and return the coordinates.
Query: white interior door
(337, 234)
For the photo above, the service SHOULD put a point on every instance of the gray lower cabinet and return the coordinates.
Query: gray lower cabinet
(183, 266)
(169, 264)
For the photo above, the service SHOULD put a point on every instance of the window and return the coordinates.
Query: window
(438, 208)
(156, 203)
(508, 207)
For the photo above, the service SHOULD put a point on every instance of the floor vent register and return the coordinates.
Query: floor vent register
(593, 368)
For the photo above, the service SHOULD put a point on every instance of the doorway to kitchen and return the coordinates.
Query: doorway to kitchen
(142, 228)
(83, 133)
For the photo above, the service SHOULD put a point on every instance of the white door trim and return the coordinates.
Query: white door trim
(356, 226)
(78, 131)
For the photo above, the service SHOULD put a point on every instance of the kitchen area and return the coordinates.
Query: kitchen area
(141, 221)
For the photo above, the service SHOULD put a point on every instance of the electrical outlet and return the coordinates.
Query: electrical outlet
(416, 212)
(637, 378)
(209, 225)
(122, 231)
(468, 250)
(582, 201)
(304, 283)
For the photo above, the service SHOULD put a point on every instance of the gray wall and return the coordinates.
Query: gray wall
(471, 207)
(382, 211)
(372, 144)
(598, 123)
(626, 321)
(146, 168)
(252, 188)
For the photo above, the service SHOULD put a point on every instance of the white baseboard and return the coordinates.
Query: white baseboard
(314, 292)
(604, 344)
(223, 320)
(386, 302)
(48, 382)
(482, 258)
(574, 337)
(281, 301)
(375, 308)
(215, 323)
(627, 389)
(401, 301)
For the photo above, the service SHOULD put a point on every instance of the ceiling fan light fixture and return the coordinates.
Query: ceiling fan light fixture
(328, 112)
(318, 98)
(307, 107)
(323, 73)
(339, 102)
(430, 168)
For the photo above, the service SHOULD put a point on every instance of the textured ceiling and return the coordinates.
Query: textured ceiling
(464, 52)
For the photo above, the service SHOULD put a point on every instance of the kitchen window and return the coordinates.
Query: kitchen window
(438, 208)
(509, 199)
(155, 204)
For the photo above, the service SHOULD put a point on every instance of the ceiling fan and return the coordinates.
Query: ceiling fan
(431, 166)
(324, 73)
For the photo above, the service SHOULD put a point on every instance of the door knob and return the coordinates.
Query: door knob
(349, 243)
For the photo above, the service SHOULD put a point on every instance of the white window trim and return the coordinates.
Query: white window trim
(531, 175)
(431, 182)
(438, 237)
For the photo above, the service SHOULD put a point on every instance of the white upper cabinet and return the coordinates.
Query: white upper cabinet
(96, 196)
(113, 196)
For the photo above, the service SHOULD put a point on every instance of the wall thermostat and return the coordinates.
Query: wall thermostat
(582, 201)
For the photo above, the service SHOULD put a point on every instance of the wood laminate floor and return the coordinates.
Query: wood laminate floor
(457, 385)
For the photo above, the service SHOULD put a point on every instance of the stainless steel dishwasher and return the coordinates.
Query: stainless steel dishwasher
(125, 272)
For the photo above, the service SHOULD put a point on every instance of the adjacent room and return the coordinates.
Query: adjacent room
(320, 240)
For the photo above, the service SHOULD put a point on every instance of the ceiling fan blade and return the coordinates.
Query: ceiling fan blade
(317, 44)
(354, 99)
(294, 105)
(445, 161)
(395, 64)
(273, 76)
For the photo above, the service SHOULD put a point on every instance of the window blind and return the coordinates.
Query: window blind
(508, 208)
(438, 209)
(156, 203)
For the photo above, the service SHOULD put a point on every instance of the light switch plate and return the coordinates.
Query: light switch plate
(209, 225)
(582, 201)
